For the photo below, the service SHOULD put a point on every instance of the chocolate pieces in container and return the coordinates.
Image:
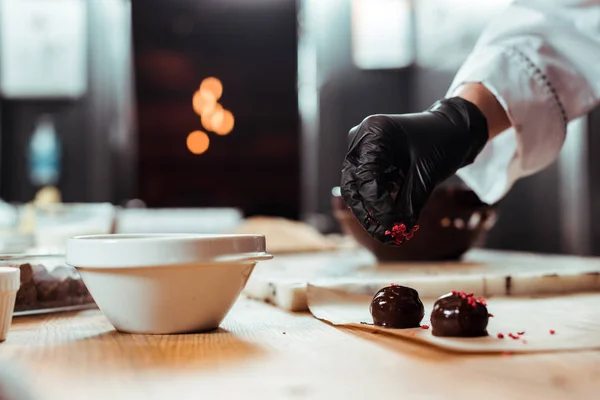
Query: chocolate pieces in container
(47, 285)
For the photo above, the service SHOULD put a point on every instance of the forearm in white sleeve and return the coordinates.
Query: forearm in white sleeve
(541, 59)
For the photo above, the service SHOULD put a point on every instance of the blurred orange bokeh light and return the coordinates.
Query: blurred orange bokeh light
(212, 115)
(203, 102)
(222, 122)
(198, 142)
(212, 85)
(207, 118)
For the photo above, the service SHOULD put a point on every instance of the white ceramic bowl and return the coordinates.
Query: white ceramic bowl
(165, 283)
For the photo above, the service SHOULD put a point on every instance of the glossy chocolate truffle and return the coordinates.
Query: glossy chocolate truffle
(458, 314)
(397, 307)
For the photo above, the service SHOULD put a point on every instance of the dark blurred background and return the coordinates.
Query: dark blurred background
(296, 74)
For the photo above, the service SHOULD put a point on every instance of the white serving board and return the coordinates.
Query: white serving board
(283, 281)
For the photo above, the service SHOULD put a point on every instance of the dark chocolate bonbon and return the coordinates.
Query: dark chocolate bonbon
(458, 314)
(397, 306)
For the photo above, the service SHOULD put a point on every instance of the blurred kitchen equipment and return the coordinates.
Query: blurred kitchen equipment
(285, 236)
(178, 220)
(453, 221)
(71, 60)
(44, 153)
(11, 239)
(161, 284)
(55, 223)
(47, 284)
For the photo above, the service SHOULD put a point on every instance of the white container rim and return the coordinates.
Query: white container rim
(149, 250)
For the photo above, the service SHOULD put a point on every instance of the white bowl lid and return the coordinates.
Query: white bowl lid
(133, 250)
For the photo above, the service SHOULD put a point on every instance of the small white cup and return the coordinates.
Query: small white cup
(9, 285)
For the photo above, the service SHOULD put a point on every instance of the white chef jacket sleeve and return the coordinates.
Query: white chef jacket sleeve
(541, 59)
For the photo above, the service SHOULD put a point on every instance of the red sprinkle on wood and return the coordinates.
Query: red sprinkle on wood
(500, 336)
(552, 331)
(425, 326)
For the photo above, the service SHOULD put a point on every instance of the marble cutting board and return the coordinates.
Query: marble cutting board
(283, 281)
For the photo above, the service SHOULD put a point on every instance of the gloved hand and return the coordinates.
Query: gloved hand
(395, 161)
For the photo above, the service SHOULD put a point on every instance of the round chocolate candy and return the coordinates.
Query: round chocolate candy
(397, 307)
(459, 314)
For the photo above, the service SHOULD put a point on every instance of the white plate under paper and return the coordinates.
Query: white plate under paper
(575, 319)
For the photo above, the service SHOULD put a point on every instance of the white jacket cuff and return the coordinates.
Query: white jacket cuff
(532, 104)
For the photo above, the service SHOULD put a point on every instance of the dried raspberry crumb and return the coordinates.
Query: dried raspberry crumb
(394, 284)
(524, 341)
(552, 331)
(514, 337)
(521, 333)
(500, 336)
(425, 326)
(471, 300)
(400, 233)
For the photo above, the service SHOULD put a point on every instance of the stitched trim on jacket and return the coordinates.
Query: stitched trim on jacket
(543, 79)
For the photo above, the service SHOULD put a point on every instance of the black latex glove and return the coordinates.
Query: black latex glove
(395, 161)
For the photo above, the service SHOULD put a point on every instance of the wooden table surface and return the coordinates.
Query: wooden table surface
(262, 352)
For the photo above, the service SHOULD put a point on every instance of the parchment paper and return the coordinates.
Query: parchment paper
(574, 318)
